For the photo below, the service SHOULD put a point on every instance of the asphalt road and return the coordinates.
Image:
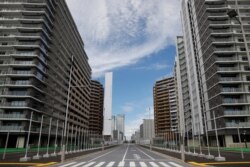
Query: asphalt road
(127, 155)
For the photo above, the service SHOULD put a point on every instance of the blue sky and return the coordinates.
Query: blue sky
(135, 40)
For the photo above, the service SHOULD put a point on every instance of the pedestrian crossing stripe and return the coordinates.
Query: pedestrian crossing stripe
(121, 164)
(81, 163)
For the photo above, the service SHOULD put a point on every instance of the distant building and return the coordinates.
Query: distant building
(96, 108)
(107, 129)
(148, 129)
(165, 106)
(118, 127)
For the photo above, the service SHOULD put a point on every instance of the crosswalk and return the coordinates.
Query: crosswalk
(121, 164)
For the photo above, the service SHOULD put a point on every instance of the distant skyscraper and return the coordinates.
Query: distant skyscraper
(120, 123)
(107, 128)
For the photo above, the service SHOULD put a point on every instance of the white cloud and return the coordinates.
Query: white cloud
(117, 33)
(128, 107)
(156, 66)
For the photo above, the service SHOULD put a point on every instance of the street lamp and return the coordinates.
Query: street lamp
(233, 13)
(67, 109)
(244, 133)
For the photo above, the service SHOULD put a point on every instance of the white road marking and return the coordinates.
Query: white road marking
(68, 164)
(137, 156)
(125, 153)
(81, 163)
(146, 154)
(143, 164)
(121, 164)
(102, 155)
(110, 164)
(89, 164)
(175, 164)
(100, 164)
(132, 164)
(164, 164)
(153, 164)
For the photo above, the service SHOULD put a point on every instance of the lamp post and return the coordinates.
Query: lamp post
(219, 158)
(244, 133)
(233, 13)
(66, 112)
(238, 130)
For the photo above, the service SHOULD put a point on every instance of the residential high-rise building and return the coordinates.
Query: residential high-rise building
(41, 54)
(218, 67)
(182, 85)
(107, 126)
(96, 108)
(165, 106)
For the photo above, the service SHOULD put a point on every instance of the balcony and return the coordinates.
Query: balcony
(228, 69)
(11, 128)
(12, 116)
(225, 79)
(226, 59)
(231, 100)
(235, 125)
(236, 113)
(14, 104)
(232, 90)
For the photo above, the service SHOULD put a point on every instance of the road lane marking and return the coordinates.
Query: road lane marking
(164, 164)
(71, 163)
(153, 164)
(143, 164)
(132, 164)
(146, 154)
(81, 163)
(110, 164)
(175, 164)
(100, 164)
(102, 155)
(125, 153)
(137, 156)
(121, 164)
(89, 164)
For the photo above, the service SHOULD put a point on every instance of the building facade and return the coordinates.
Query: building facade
(96, 108)
(216, 46)
(41, 55)
(148, 129)
(165, 106)
(182, 85)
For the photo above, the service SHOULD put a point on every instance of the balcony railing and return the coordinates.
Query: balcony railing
(241, 124)
(11, 128)
(226, 58)
(228, 69)
(232, 90)
(234, 101)
(236, 112)
(230, 79)
(12, 116)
